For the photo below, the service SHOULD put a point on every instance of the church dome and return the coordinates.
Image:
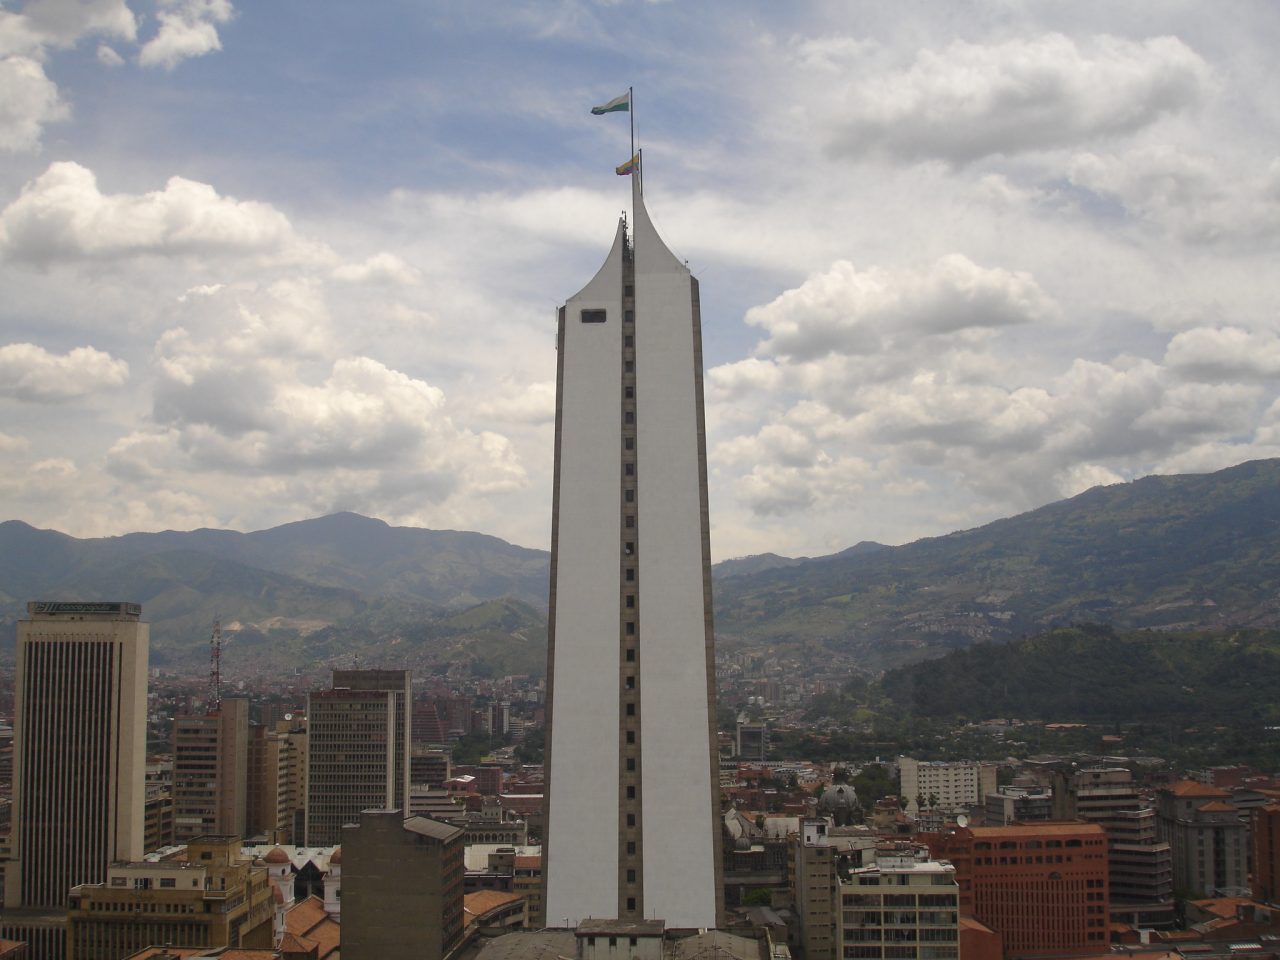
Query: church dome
(276, 855)
(838, 798)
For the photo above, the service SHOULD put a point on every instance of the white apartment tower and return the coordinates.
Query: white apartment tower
(632, 828)
(80, 748)
(952, 787)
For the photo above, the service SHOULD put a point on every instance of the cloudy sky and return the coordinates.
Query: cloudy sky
(264, 261)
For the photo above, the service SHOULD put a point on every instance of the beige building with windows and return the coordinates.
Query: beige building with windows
(80, 748)
(277, 781)
(210, 771)
(814, 888)
(214, 898)
(952, 787)
(358, 741)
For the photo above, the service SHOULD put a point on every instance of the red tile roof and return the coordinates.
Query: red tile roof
(1038, 829)
(292, 943)
(308, 919)
(476, 905)
(1189, 789)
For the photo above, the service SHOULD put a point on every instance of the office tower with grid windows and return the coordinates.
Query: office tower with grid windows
(210, 771)
(358, 743)
(80, 748)
(632, 766)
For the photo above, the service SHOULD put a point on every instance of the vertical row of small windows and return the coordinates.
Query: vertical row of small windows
(629, 893)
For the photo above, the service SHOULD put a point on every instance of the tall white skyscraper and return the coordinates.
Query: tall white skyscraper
(633, 828)
(80, 748)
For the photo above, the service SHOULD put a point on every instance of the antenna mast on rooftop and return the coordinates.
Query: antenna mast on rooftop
(215, 666)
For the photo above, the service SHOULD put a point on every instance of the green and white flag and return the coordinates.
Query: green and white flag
(622, 103)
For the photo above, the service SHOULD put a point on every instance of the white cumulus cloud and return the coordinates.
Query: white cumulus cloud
(969, 100)
(188, 28)
(1194, 197)
(1224, 353)
(28, 101)
(259, 396)
(380, 269)
(62, 23)
(11, 444)
(511, 402)
(63, 215)
(847, 311)
(29, 372)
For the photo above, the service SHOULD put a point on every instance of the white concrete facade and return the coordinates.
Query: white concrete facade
(679, 795)
(633, 822)
(584, 762)
(957, 786)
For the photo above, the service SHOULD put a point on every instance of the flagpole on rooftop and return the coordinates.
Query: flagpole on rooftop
(631, 115)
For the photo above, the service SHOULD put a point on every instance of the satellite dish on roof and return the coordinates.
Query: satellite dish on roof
(962, 821)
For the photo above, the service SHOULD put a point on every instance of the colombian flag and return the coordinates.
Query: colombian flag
(629, 167)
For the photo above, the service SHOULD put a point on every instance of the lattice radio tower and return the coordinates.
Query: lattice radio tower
(215, 666)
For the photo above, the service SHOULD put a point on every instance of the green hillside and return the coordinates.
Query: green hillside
(1093, 673)
(1177, 552)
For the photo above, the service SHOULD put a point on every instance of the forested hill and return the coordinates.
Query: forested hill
(1093, 673)
(1178, 552)
(1171, 552)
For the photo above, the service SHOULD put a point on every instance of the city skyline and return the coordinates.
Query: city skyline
(1012, 235)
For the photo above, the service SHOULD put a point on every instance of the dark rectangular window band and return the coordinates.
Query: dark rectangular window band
(593, 316)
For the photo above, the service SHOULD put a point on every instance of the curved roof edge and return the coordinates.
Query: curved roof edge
(652, 255)
(612, 263)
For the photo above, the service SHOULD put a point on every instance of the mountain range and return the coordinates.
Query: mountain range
(1166, 553)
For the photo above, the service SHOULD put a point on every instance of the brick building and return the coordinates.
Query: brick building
(1042, 887)
(1266, 853)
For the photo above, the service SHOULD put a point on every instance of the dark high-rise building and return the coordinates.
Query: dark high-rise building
(402, 887)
